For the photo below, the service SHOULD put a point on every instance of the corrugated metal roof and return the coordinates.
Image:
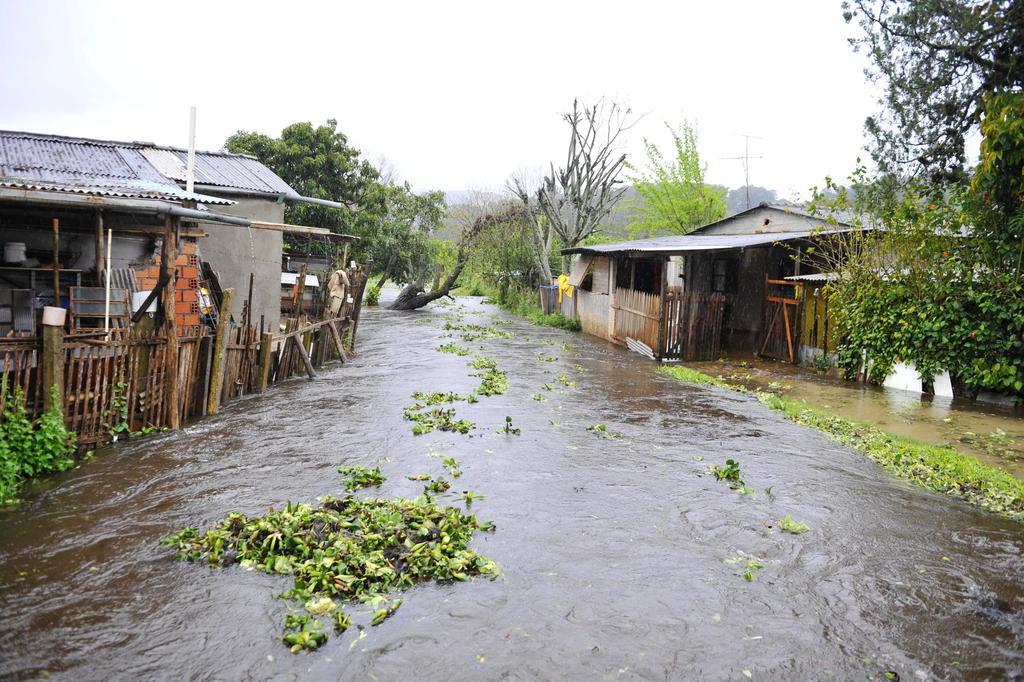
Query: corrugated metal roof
(230, 171)
(128, 189)
(699, 242)
(815, 277)
(110, 168)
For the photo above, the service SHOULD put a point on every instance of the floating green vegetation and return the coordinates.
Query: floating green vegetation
(730, 473)
(565, 381)
(468, 496)
(451, 465)
(454, 349)
(302, 633)
(538, 397)
(438, 418)
(939, 468)
(437, 485)
(750, 567)
(602, 430)
(437, 398)
(509, 429)
(419, 477)
(492, 380)
(476, 332)
(381, 615)
(343, 548)
(795, 527)
(546, 358)
(361, 477)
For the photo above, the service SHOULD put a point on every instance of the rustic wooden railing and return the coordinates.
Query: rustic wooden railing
(693, 326)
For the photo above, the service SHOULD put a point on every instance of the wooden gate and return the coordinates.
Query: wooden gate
(637, 316)
(781, 321)
(693, 326)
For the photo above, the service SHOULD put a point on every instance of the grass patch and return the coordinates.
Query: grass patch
(940, 468)
(554, 320)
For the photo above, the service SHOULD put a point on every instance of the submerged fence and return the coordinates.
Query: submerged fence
(123, 383)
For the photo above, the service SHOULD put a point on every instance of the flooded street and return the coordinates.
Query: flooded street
(614, 551)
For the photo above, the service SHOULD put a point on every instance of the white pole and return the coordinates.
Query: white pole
(190, 174)
(106, 302)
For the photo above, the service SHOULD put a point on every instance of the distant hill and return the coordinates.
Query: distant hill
(617, 225)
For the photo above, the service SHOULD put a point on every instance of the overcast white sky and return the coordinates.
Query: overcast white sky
(454, 95)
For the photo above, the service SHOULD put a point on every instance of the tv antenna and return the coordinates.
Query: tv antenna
(746, 162)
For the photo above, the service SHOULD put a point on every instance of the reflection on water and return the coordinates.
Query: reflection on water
(613, 550)
(992, 433)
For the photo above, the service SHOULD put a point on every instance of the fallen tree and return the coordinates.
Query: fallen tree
(415, 295)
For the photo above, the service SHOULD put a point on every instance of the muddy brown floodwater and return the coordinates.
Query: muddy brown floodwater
(613, 550)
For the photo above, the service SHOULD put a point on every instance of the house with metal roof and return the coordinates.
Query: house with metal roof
(61, 196)
(734, 286)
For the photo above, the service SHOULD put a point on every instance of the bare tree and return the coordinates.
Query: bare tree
(576, 197)
(541, 235)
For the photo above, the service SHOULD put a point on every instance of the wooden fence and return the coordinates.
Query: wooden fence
(637, 316)
(693, 326)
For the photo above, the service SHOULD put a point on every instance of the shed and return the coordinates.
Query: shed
(721, 288)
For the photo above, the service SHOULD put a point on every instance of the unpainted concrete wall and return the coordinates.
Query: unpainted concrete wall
(235, 251)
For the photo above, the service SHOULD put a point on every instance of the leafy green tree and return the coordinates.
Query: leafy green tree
(392, 222)
(674, 197)
(319, 162)
(400, 248)
(938, 60)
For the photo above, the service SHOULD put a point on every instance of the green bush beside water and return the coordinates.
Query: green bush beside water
(940, 468)
(30, 449)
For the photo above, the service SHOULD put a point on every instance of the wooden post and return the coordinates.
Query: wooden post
(101, 263)
(220, 345)
(612, 268)
(56, 262)
(297, 344)
(338, 344)
(169, 273)
(266, 344)
(53, 364)
(660, 352)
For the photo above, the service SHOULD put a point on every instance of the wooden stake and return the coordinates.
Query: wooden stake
(101, 264)
(266, 345)
(56, 262)
(168, 272)
(220, 345)
(53, 364)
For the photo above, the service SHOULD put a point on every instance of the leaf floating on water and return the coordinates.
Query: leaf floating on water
(383, 614)
(795, 527)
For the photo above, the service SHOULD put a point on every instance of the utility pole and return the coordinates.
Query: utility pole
(746, 163)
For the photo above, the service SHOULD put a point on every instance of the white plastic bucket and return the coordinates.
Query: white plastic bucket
(53, 316)
(14, 252)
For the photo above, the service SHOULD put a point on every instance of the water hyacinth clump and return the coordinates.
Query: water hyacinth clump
(436, 419)
(361, 477)
(476, 332)
(343, 548)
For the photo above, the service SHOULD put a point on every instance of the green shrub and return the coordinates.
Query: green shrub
(31, 449)
(372, 296)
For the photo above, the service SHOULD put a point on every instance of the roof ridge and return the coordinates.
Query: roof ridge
(74, 139)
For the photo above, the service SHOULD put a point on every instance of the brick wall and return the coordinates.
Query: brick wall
(186, 294)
